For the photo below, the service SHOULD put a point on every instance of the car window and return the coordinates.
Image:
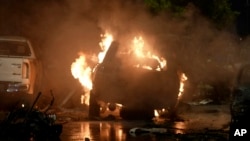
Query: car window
(14, 48)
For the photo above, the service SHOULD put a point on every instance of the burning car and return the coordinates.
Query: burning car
(131, 85)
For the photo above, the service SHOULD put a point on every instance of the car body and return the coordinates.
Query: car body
(136, 91)
(17, 66)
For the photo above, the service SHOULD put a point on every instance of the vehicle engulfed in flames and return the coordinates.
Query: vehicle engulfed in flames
(130, 86)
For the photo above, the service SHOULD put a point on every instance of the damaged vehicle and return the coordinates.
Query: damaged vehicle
(17, 69)
(128, 87)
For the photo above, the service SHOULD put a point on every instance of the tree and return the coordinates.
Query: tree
(159, 5)
(219, 11)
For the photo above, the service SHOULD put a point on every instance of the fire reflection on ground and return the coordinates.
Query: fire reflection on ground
(120, 131)
(107, 129)
(180, 127)
(102, 131)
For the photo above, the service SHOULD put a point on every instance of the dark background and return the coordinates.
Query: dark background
(59, 30)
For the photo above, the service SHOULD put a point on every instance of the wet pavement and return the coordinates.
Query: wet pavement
(120, 131)
(100, 130)
(206, 123)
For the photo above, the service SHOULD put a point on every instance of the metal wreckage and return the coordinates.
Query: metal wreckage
(128, 84)
(27, 123)
(112, 77)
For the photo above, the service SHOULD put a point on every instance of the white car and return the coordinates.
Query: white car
(17, 65)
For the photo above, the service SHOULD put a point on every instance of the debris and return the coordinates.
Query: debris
(206, 135)
(30, 123)
(137, 131)
(201, 102)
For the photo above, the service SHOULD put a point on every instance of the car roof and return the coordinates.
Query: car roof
(13, 38)
(18, 39)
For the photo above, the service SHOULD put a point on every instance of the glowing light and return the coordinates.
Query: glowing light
(81, 71)
(183, 78)
(107, 39)
(156, 113)
(138, 46)
(140, 52)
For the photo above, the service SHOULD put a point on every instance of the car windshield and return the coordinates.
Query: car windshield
(131, 60)
(14, 48)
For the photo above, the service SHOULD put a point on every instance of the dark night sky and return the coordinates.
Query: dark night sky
(243, 19)
(28, 11)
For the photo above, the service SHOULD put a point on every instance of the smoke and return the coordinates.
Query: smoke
(61, 29)
(191, 41)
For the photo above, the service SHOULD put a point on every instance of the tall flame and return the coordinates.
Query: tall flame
(183, 78)
(81, 70)
(107, 39)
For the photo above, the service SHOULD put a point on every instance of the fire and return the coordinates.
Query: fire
(107, 39)
(81, 70)
(183, 78)
(156, 113)
(138, 47)
(141, 53)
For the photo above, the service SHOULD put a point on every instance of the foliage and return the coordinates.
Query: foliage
(219, 11)
(160, 5)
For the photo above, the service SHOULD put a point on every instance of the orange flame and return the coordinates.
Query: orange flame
(107, 39)
(81, 70)
(183, 78)
(138, 49)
